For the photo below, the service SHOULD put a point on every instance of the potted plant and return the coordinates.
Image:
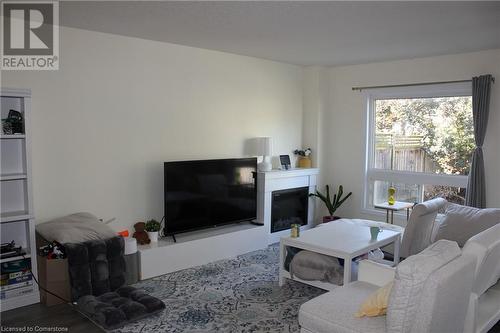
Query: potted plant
(152, 228)
(304, 157)
(331, 204)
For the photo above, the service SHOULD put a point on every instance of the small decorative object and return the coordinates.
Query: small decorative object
(391, 192)
(374, 231)
(152, 228)
(304, 160)
(14, 123)
(331, 204)
(285, 162)
(140, 234)
(295, 230)
(123, 233)
(53, 250)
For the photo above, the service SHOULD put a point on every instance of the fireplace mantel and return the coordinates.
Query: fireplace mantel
(276, 180)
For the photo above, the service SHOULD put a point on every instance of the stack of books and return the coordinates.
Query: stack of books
(8, 250)
(16, 278)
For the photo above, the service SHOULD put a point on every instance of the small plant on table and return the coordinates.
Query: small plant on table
(153, 227)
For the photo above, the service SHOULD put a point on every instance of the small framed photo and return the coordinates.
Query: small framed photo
(285, 162)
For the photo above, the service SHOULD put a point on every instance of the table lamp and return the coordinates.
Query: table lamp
(263, 147)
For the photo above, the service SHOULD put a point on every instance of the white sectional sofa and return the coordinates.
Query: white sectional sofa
(484, 308)
(432, 298)
(461, 295)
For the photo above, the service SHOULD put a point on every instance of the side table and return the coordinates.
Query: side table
(390, 209)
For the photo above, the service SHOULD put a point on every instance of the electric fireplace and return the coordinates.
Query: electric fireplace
(289, 207)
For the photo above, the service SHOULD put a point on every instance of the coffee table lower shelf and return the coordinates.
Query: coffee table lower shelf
(318, 284)
(344, 239)
(324, 285)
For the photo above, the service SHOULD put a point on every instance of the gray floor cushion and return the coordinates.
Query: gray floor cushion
(96, 267)
(116, 308)
(310, 266)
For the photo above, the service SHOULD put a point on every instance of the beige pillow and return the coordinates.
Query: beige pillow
(376, 304)
(463, 222)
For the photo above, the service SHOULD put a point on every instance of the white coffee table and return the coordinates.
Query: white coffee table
(346, 239)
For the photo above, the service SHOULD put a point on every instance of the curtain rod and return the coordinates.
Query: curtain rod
(413, 84)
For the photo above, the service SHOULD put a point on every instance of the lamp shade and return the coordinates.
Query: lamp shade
(263, 146)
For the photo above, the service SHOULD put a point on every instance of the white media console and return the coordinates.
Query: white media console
(201, 247)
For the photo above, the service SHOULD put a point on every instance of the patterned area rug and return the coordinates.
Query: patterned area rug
(234, 295)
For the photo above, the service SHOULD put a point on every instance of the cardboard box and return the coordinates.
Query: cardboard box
(53, 275)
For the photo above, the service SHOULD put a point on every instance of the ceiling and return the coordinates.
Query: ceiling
(301, 32)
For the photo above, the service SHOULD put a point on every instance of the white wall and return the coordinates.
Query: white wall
(315, 100)
(344, 125)
(119, 107)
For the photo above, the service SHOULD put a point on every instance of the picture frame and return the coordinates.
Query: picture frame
(285, 162)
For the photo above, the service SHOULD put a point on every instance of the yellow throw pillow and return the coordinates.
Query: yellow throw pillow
(376, 303)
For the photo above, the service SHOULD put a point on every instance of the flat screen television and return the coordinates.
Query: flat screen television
(207, 193)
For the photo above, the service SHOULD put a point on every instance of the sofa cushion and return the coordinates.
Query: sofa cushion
(335, 311)
(409, 280)
(445, 298)
(463, 222)
(485, 247)
(418, 232)
(435, 228)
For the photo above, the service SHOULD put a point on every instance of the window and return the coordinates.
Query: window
(420, 140)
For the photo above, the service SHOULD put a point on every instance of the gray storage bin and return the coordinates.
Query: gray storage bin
(131, 268)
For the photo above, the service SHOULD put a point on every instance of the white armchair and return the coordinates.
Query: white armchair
(430, 294)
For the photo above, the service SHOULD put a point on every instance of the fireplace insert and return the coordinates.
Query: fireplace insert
(289, 207)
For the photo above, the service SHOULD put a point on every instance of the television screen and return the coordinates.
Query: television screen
(207, 193)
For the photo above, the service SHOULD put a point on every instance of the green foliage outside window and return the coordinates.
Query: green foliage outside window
(426, 135)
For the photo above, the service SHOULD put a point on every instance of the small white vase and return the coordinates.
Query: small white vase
(153, 236)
